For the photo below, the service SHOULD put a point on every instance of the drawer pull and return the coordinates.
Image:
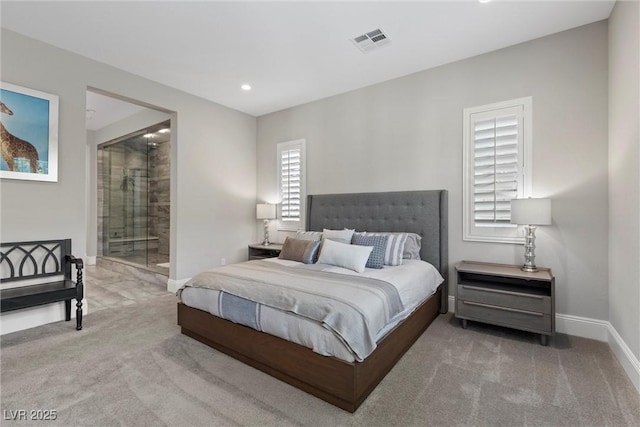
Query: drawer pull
(515, 310)
(499, 291)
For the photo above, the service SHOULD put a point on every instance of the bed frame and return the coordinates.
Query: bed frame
(343, 384)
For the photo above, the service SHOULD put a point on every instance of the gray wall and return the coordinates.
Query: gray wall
(624, 176)
(213, 166)
(406, 134)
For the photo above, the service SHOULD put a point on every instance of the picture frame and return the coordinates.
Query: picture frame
(28, 134)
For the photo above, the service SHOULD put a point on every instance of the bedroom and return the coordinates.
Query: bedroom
(592, 246)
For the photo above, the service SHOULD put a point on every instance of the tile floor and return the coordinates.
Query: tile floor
(108, 287)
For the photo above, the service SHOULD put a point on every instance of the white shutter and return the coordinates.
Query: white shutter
(291, 184)
(496, 177)
(497, 168)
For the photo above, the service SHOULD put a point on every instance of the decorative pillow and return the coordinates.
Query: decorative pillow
(308, 235)
(379, 243)
(304, 251)
(342, 236)
(395, 246)
(353, 257)
(411, 247)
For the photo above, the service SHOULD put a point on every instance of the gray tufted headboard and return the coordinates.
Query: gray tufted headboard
(421, 212)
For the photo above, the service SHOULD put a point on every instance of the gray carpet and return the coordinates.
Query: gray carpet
(130, 366)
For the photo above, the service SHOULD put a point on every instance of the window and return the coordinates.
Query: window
(291, 182)
(497, 168)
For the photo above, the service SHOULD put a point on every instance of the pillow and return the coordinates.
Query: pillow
(412, 246)
(395, 246)
(304, 251)
(308, 235)
(342, 236)
(379, 243)
(353, 257)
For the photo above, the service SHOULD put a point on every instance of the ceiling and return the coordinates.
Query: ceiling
(290, 52)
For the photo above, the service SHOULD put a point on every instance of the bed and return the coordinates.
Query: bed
(345, 384)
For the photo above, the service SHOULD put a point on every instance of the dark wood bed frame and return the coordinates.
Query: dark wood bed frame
(343, 384)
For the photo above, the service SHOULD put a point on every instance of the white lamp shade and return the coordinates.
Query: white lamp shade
(531, 211)
(265, 211)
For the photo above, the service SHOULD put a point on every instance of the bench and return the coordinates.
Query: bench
(42, 270)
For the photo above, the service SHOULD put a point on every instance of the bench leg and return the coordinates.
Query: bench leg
(67, 309)
(79, 315)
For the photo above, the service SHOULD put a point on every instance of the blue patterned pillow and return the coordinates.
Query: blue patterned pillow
(379, 243)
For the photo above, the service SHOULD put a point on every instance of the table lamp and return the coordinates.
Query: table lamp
(530, 212)
(265, 212)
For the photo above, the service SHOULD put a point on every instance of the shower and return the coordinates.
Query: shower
(133, 204)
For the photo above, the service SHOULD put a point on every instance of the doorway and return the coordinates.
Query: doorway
(131, 149)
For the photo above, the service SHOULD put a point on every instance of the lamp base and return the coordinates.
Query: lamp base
(529, 269)
(266, 233)
(529, 249)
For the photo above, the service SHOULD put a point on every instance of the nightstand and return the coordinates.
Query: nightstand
(260, 251)
(504, 295)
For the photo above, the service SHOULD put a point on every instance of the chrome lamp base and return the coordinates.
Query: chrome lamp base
(529, 249)
(266, 233)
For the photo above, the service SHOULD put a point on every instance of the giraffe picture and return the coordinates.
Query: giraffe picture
(28, 134)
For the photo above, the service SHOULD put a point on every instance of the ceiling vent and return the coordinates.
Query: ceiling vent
(371, 40)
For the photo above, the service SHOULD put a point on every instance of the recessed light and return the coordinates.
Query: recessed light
(164, 130)
(148, 135)
(484, 1)
(246, 87)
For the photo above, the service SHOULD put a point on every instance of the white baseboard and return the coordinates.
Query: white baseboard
(173, 285)
(599, 330)
(627, 359)
(91, 260)
(583, 327)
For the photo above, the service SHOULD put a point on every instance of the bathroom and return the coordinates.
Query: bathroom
(133, 195)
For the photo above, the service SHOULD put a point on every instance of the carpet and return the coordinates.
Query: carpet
(130, 366)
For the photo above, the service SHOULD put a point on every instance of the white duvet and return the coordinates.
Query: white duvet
(415, 281)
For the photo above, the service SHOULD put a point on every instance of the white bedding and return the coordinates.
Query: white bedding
(415, 281)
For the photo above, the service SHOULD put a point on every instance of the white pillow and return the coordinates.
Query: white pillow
(342, 236)
(353, 257)
(308, 235)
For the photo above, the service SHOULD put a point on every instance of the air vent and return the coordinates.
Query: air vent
(371, 40)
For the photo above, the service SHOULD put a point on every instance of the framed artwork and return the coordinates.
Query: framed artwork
(28, 134)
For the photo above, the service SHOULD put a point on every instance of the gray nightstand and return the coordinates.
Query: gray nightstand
(504, 295)
(260, 251)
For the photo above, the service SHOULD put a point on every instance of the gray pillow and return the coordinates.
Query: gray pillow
(305, 251)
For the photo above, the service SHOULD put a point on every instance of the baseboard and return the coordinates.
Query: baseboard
(91, 260)
(627, 359)
(583, 327)
(595, 329)
(173, 285)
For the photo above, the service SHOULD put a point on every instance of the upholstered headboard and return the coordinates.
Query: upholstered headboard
(421, 212)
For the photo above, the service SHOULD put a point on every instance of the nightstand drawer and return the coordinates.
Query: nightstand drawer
(505, 298)
(504, 316)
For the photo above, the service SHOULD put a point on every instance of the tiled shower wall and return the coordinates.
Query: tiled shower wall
(159, 201)
(156, 211)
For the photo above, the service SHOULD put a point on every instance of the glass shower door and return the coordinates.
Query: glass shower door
(126, 182)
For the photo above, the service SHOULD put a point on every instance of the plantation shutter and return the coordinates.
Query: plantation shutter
(290, 181)
(497, 165)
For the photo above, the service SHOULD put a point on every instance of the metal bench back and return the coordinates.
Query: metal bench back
(32, 260)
